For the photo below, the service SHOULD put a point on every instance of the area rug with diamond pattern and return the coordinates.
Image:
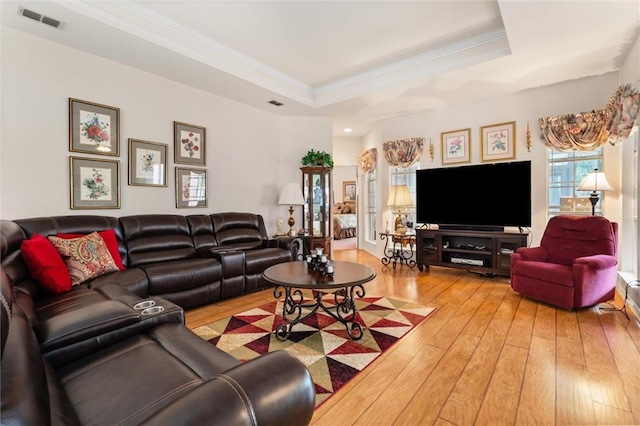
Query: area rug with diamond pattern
(320, 341)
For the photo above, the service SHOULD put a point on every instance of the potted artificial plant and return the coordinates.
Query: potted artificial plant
(317, 158)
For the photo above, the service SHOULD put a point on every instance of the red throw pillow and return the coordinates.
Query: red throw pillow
(45, 264)
(109, 237)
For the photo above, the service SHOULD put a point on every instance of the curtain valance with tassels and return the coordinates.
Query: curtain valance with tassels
(368, 160)
(625, 112)
(403, 152)
(588, 131)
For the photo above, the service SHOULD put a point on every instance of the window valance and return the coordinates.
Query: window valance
(586, 131)
(624, 106)
(368, 160)
(403, 152)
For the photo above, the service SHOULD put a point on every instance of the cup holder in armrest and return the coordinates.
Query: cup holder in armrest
(152, 310)
(144, 304)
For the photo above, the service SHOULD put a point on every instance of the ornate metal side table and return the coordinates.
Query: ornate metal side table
(346, 282)
(398, 248)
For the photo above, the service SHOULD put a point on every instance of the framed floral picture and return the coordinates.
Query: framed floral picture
(456, 146)
(498, 141)
(94, 128)
(95, 184)
(147, 163)
(189, 144)
(191, 187)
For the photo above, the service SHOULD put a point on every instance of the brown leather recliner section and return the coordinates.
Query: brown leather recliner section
(162, 374)
(91, 356)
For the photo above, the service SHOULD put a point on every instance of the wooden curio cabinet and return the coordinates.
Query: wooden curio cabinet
(316, 189)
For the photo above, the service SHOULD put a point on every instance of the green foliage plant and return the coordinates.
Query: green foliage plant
(317, 158)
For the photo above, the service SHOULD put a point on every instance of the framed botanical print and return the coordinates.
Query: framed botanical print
(456, 146)
(94, 128)
(191, 187)
(189, 144)
(147, 163)
(95, 184)
(498, 141)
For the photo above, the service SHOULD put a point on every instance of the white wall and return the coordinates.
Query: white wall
(628, 253)
(346, 151)
(527, 106)
(297, 136)
(250, 153)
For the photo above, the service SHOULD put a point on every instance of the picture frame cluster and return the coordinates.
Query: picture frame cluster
(95, 183)
(497, 142)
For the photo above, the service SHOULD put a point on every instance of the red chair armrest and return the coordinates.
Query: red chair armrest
(535, 254)
(598, 261)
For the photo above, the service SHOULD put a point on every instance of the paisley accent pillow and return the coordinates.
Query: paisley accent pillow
(86, 257)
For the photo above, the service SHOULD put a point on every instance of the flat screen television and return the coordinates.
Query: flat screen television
(484, 196)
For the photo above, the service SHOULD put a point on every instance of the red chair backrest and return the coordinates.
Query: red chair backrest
(569, 237)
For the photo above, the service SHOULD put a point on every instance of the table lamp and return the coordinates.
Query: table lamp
(399, 197)
(595, 181)
(291, 195)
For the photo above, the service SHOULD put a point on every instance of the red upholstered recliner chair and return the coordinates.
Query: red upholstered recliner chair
(575, 265)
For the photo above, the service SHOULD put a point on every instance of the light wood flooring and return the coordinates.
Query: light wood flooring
(487, 356)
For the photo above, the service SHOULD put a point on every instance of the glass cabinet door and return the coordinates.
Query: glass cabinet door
(316, 182)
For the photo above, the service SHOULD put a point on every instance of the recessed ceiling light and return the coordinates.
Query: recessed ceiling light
(348, 130)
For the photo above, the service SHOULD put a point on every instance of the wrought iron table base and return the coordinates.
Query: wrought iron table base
(343, 311)
(395, 254)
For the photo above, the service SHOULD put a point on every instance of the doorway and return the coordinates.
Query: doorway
(345, 208)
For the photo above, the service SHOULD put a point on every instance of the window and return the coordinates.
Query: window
(566, 172)
(371, 206)
(402, 176)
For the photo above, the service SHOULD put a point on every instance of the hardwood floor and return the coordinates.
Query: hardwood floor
(487, 356)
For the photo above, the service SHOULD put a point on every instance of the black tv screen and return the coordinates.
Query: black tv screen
(477, 196)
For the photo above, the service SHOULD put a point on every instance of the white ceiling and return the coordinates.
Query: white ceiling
(355, 61)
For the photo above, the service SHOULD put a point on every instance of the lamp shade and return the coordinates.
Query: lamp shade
(399, 196)
(595, 181)
(291, 195)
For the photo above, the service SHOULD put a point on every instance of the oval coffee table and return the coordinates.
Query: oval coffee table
(291, 278)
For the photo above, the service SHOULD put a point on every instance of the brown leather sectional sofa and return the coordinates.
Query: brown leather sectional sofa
(114, 350)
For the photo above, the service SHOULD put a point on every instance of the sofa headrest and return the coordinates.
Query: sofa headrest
(11, 236)
(239, 228)
(568, 237)
(74, 224)
(6, 300)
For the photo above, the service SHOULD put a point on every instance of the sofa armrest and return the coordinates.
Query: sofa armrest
(245, 395)
(535, 254)
(212, 251)
(89, 321)
(83, 331)
(293, 244)
(598, 261)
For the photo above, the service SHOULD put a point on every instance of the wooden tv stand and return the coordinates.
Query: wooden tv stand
(485, 252)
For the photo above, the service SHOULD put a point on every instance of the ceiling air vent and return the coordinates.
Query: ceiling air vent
(50, 21)
(38, 17)
(29, 14)
(276, 103)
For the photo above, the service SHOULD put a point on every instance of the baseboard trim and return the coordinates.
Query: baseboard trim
(623, 279)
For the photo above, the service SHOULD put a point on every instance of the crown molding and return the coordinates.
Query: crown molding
(142, 22)
(136, 19)
(473, 50)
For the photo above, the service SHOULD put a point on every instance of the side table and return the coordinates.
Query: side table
(398, 248)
